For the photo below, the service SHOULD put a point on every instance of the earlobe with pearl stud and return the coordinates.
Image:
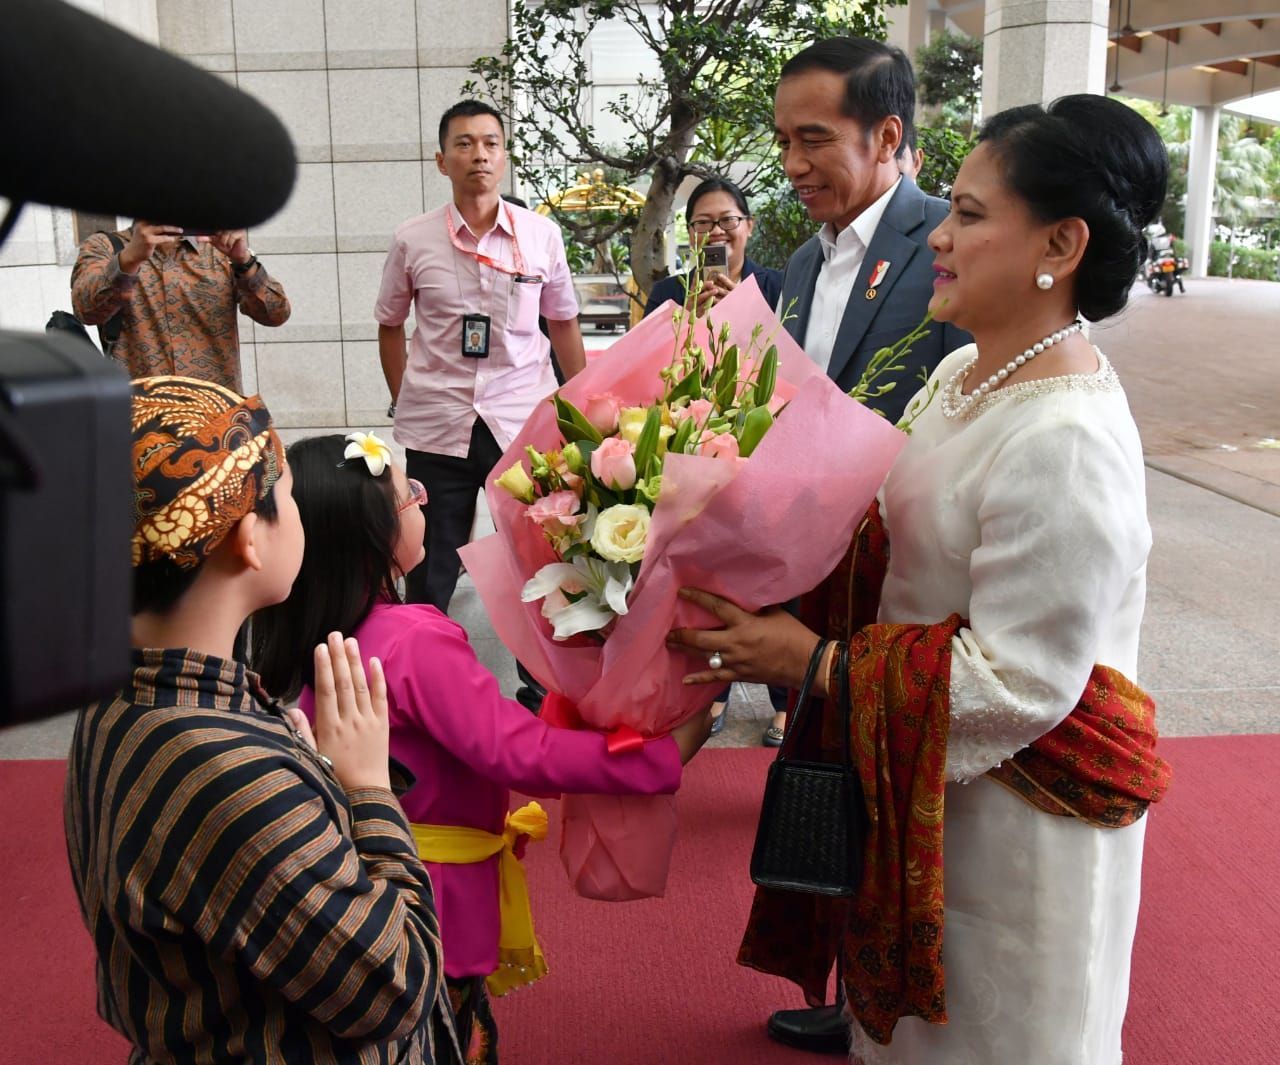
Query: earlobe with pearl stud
(1044, 282)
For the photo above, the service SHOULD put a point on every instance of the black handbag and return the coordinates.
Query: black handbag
(813, 820)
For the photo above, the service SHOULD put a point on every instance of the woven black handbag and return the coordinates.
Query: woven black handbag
(813, 820)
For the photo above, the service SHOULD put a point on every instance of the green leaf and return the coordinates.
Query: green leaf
(684, 432)
(573, 423)
(758, 422)
(647, 443)
(726, 378)
(767, 377)
(690, 386)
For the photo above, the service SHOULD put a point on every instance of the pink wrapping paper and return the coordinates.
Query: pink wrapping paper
(758, 531)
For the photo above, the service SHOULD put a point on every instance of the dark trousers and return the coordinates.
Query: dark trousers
(451, 485)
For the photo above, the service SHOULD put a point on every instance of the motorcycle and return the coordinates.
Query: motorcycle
(1163, 268)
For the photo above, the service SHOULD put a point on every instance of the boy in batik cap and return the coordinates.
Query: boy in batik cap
(251, 897)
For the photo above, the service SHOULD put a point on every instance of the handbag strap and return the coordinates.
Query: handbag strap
(845, 699)
(800, 718)
(803, 715)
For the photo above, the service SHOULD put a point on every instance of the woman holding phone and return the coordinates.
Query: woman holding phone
(718, 217)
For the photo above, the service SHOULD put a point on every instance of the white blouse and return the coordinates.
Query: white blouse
(1027, 516)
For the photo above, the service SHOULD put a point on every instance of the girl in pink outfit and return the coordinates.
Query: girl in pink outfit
(464, 744)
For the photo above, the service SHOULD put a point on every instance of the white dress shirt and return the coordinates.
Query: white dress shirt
(842, 255)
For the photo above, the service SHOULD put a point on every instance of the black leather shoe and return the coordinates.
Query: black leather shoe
(530, 698)
(823, 1030)
(530, 693)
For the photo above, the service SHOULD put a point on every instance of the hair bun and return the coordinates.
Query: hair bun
(1124, 147)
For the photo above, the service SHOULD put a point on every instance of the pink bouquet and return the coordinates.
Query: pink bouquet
(726, 461)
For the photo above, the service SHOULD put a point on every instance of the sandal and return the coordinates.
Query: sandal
(772, 736)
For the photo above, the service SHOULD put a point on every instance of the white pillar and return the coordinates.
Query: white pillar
(907, 27)
(1201, 181)
(1037, 50)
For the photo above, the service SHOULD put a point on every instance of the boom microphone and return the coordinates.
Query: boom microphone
(94, 119)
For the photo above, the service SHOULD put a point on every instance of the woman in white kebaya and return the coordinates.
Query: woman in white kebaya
(996, 690)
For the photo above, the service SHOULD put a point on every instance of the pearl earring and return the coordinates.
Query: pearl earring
(1044, 282)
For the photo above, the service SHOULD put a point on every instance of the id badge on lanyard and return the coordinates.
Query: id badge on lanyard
(475, 336)
(477, 328)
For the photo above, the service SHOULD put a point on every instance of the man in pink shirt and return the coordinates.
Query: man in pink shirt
(478, 272)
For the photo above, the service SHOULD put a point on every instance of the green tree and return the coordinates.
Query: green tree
(1240, 181)
(710, 107)
(781, 222)
(949, 85)
(944, 150)
(949, 78)
(1241, 178)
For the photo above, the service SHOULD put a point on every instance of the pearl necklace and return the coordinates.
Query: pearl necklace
(955, 404)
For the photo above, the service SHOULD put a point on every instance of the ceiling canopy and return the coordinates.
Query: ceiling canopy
(1194, 52)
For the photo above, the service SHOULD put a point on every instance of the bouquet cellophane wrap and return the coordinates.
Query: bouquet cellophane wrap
(758, 531)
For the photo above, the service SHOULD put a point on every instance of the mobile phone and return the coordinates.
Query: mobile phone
(715, 259)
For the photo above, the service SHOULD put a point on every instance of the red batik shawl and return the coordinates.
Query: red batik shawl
(1098, 765)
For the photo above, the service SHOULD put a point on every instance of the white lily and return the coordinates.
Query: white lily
(371, 448)
(602, 586)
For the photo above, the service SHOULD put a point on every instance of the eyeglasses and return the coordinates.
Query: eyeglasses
(727, 224)
(417, 496)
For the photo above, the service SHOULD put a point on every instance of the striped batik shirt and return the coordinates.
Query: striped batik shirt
(243, 906)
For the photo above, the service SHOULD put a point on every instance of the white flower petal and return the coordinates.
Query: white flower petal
(547, 580)
(617, 588)
(587, 525)
(586, 615)
(354, 451)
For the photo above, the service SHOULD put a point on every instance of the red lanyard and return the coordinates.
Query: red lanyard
(516, 271)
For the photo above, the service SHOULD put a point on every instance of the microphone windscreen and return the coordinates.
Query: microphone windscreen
(95, 119)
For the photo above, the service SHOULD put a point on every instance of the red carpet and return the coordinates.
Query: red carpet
(653, 983)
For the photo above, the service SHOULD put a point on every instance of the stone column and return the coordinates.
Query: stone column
(1201, 171)
(908, 27)
(1037, 50)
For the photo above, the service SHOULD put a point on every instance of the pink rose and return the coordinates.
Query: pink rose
(557, 513)
(614, 464)
(602, 411)
(699, 410)
(718, 445)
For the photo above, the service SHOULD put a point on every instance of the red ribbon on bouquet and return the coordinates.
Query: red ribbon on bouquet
(560, 712)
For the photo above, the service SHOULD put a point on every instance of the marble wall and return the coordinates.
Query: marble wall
(360, 84)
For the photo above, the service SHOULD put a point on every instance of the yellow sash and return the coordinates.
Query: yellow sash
(520, 959)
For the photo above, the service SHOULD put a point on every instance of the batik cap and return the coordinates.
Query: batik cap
(203, 456)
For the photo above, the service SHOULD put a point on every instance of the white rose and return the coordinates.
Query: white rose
(621, 533)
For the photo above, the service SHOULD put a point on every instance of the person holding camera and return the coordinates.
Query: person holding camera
(718, 218)
(176, 294)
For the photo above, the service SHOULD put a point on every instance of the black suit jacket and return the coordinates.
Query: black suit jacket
(901, 299)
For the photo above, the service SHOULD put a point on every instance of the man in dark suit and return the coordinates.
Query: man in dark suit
(844, 110)
(843, 113)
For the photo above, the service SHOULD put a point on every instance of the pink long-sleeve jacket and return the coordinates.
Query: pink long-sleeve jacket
(467, 746)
